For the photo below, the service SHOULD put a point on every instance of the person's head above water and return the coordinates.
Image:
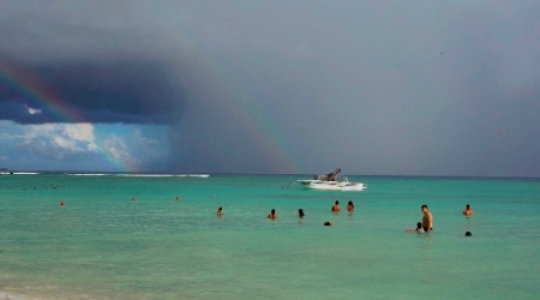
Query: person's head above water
(468, 233)
(301, 212)
(272, 214)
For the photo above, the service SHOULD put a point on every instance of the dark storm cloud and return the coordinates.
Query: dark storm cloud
(99, 92)
(102, 68)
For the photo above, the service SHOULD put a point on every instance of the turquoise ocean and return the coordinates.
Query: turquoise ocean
(158, 237)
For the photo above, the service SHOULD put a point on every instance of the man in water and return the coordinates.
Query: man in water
(427, 219)
(272, 215)
(468, 212)
(350, 206)
(220, 211)
(336, 208)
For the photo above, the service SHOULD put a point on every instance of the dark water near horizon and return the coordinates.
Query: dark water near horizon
(104, 245)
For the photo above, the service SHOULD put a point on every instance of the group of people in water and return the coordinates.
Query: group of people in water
(336, 208)
(426, 225)
(427, 220)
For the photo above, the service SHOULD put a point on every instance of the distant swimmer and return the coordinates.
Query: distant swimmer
(427, 219)
(350, 206)
(468, 212)
(468, 233)
(327, 223)
(301, 213)
(272, 215)
(418, 228)
(220, 211)
(336, 208)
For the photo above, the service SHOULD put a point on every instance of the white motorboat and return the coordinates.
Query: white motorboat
(331, 182)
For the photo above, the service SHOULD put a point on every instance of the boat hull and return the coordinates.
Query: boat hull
(322, 185)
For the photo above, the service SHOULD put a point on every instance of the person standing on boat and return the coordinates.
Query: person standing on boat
(333, 176)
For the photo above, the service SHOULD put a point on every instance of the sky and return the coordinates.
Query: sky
(430, 88)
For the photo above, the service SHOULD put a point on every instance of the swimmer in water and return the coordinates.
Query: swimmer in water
(427, 219)
(350, 206)
(468, 212)
(272, 215)
(301, 213)
(336, 208)
(418, 228)
(220, 211)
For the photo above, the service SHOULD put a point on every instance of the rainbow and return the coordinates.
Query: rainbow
(261, 129)
(41, 96)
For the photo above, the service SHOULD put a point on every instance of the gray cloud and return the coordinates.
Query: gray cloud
(100, 92)
(103, 68)
(385, 87)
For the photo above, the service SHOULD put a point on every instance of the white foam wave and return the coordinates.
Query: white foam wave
(194, 175)
(144, 175)
(134, 175)
(18, 173)
(165, 175)
(14, 296)
(87, 174)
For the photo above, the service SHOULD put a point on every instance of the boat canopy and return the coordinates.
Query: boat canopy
(328, 177)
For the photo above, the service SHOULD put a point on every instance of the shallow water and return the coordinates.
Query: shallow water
(104, 245)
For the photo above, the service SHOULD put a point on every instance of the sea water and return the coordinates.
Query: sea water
(158, 237)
